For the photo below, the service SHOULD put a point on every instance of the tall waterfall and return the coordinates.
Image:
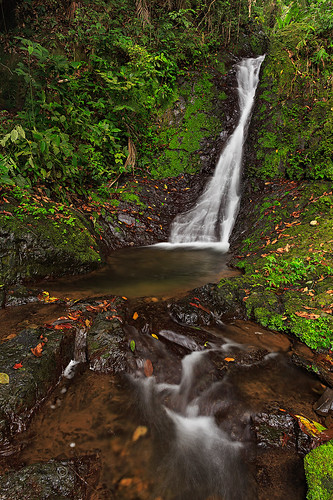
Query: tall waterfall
(211, 220)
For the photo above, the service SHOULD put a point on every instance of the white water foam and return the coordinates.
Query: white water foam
(202, 225)
(197, 457)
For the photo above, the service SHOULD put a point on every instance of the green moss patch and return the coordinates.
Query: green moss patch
(39, 237)
(183, 130)
(318, 466)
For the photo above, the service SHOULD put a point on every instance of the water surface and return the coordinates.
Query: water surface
(148, 271)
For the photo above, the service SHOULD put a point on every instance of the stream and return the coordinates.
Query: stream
(200, 409)
(198, 413)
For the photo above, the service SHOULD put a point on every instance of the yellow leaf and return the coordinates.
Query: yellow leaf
(4, 378)
(155, 336)
(135, 315)
(310, 427)
(229, 359)
(139, 432)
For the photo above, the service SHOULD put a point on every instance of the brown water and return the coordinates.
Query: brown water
(122, 420)
(185, 432)
(147, 271)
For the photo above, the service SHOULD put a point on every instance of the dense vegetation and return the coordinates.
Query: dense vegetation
(295, 124)
(93, 80)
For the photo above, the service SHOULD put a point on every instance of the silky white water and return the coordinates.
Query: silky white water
(195, 457)
(211, 220)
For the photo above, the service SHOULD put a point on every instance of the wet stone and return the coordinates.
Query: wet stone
(20, 295)
(107, 346)
(28, 385)
(187, 314)
(52, 480)
(324, 405)
(127, 219)
(280, 430)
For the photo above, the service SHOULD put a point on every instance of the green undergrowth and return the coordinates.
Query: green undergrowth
(318, 466)
(287, 263)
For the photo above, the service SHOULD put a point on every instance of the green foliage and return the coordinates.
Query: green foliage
(295, 134)
(318, 465)
(97, 79)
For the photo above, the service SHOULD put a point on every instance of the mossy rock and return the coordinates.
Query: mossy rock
(318, 465)
(107, 346)
(43, 242)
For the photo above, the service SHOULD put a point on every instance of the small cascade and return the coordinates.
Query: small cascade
(210, 221)
(196, 457)
(79, 353)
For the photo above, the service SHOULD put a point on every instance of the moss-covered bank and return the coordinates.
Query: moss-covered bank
(287, 262)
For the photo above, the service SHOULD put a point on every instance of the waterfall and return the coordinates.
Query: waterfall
(211, 220)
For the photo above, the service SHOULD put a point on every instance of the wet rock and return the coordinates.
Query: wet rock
(52, 480)
(35, 247)
(127, 219)
(276, 430)
(30, 383)
(19, 295)
(324, 405)
(191, 311)
(314, 364)
(107, 346)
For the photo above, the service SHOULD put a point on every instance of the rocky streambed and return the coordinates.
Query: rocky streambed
(98, 391)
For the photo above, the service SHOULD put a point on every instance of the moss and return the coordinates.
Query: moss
(293, 132)
(316, 333)
(44, 239)
(288, 263)
(318, 465)
(181, 138)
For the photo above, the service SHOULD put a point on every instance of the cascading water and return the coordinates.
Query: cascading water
(196, 457)
(202, 225)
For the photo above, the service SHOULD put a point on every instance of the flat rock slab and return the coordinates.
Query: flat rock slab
(32, 378)
(52, 480)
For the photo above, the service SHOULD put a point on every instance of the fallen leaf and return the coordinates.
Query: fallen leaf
(4, 378)
(17, 366)
(45, 297)
(126, 481)
(9, 337)
(132, 345)
(330, 292)
(229, 359)
(37, 351)
(135, 316)
(139, 432)
(304, 314)
(148, 368)
(310, 427)
(199, 306)
(155, 336)
(63, 326)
